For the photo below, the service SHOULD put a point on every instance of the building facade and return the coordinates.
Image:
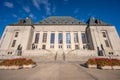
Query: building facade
(60, 34)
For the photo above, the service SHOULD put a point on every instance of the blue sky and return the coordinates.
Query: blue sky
(13, 10)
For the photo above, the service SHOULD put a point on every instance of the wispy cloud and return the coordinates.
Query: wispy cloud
(8, 4)
(83, 20)
(27, 9)
(91, 13)
(43, 17)
(76, 11)
(15, 16)
(54, 9)
(48, 10)
(32, 16)
(38, 3)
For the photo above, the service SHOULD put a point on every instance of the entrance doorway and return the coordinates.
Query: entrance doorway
(43, 46)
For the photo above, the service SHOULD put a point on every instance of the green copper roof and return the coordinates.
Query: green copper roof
(60, 20)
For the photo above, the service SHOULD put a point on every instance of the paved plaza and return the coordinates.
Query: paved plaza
(59, 71)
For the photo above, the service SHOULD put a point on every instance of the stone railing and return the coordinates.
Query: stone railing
(112, 52)
(3, 57)
(39, 55)
(36, 52)
(81, 52)
(8, 52)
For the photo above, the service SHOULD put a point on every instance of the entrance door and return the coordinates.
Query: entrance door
(43, 46)
(76, 47)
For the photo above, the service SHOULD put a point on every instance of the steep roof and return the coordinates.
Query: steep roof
(96, 22)
(60, 20)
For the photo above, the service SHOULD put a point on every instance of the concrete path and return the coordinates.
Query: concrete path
(59, 71)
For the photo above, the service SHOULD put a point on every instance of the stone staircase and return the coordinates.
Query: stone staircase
(43, 58)
(60, 56)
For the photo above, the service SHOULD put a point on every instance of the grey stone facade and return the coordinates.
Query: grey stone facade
(61, 34)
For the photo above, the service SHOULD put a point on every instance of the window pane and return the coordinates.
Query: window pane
(68, 40)
(68, 46)
(52, 37)
(14, 42)
(107, 44)
(44, 37)
(83, 38)
(60, 46)
(60, 38)
(104, 34)
(16, 34)
(37, 37)
(51, 46)
(76, 37)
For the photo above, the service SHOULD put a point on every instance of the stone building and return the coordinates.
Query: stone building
(58, 35)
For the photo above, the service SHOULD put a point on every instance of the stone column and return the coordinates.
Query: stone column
(64, 41)
(56, 41)
(80, 40)
(48, 40)
(94, 39)
(40, 41)
(72, 41)
(33, 39)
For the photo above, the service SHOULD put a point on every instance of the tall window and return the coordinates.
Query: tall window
(52, 38)
(13, 43)
(68, 40)
(107, 43)
(83, 38)
(76, 37)
(104, 34)
(106, 39)
(37, 37)
(44, 37)
(60, 38)
(16, 34)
